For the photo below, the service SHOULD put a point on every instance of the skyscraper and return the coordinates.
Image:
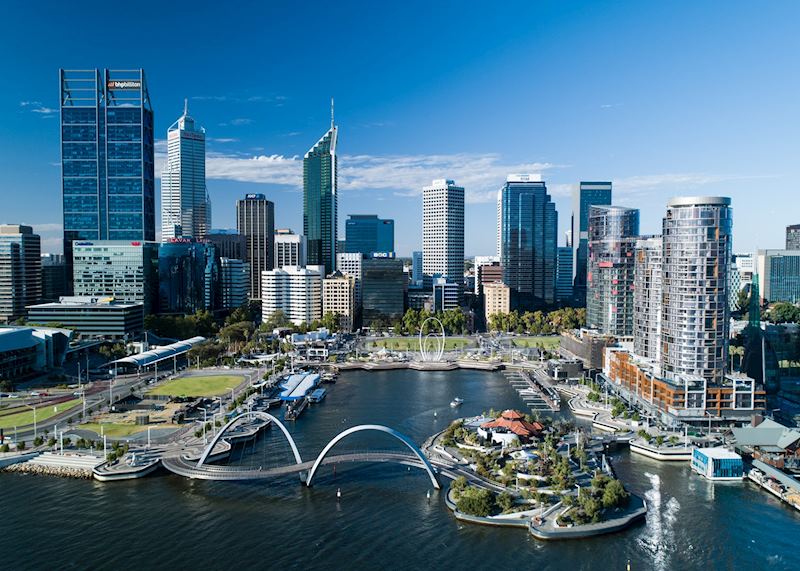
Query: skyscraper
(793, 237)
(416, 267)
(255, 220)
(107, 164)
(185, 206)
(564, 274)
(695, 315)
(320, 200)
(229, 243)
(54, 277)
(234, 282)
(584, 196)
(778, 275)
(352, 265)
(188, 276)
(609, 281)
(366, 233)
(20, 270)
(443, 230)
(295, 291)
(382, 289)
(529, 226)
(647, 298)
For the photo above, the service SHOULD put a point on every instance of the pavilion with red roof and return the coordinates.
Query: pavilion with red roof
(509, 424)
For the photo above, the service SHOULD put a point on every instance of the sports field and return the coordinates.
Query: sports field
(198, 386)
(412, 343)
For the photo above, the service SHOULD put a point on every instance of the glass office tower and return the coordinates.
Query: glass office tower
(366, 233)
(188, 276)
(107, 164)
(586, 195)
(320, 201)
(529, 230)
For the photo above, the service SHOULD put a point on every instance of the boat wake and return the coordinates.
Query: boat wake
(658, 537)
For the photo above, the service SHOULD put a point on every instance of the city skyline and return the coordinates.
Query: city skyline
(401, 132)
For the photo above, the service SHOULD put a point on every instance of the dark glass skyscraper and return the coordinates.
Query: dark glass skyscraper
(586, 195)
(188, 276)
(320, 201)
(529, 233)
(255, 220)
(366, 233)
(107, 164)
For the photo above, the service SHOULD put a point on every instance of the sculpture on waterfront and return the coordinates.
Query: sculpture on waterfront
(423, 341)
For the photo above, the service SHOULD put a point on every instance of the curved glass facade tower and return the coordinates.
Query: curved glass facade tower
(609, 278)
(647, 298)
(695, 314)
(320, 201)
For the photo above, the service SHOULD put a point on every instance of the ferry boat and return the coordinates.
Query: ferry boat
(456, 402)
(317, 395)
(295, 409)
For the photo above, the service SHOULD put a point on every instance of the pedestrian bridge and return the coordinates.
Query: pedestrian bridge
(200, 469)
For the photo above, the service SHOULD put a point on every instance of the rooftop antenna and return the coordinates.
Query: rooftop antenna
(186, 106)
(331, 112)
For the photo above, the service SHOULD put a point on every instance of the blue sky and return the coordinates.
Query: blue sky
(663, 98)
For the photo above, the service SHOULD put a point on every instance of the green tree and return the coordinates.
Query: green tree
(505, 501)
(614, 494)
(783, 312)
(476, 501)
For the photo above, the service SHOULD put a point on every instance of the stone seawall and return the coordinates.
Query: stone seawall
(44, 470)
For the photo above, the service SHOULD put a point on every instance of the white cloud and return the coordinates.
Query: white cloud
(679, 182)
(37, 107)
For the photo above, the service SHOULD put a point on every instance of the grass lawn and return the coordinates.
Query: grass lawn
(115, 430)
(548, 342)
(43, 412)
(412, 343)
(198, 386)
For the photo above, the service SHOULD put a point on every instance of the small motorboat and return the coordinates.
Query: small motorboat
(456, 402)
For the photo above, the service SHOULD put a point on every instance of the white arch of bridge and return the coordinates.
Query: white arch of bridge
(251, 414)
(378, 428)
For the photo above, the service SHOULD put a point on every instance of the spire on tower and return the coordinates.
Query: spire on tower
(186, 106)
(331, 112)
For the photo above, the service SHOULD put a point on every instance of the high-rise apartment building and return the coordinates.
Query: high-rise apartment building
(564, 274)
(20, 271)
(793, 237)
(695, 315)
(443, 230)
(321, 200)
(234, 282)
(188, 276)
(366, 233)
(255, 220)
(107, 162)
(497, 299)
(529, 226)
(585, 195)
(609, 279)
(487, 269)
(338, 297)
(185, 206)
(743, 267)
(295, 291)
(126, 270)
(351, 265)
(779, 275)
(647, 298)
(290, 248)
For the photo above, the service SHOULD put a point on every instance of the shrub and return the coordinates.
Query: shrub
(476, 501)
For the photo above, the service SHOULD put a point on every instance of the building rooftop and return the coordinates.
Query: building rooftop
(515, 422)
(719, 453)
(86, 302)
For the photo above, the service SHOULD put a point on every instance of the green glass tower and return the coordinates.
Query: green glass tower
(320, 200)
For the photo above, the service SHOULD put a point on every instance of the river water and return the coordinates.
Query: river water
(383, 518)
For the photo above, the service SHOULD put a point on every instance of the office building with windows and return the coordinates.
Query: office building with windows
(126, 270)
(54, 277)
(189, 277)
(487, 269)
(793, 237)
(416, 268)
(290, 248)
(185, 205)
(255, 220)
(366, 233)
(383, 286)
(229, 243)
(321, 200)
(564, 274)
(443, 230)
(779, 275)
(351, 265)
(609, 279)
(446, 295)
(529, 227)
(584, 195)
(91, 317)
(295, 291)
(20, 270)
(107, 161)
(234, 282)
(338, 297)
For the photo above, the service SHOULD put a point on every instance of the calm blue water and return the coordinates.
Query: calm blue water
(383, 518)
